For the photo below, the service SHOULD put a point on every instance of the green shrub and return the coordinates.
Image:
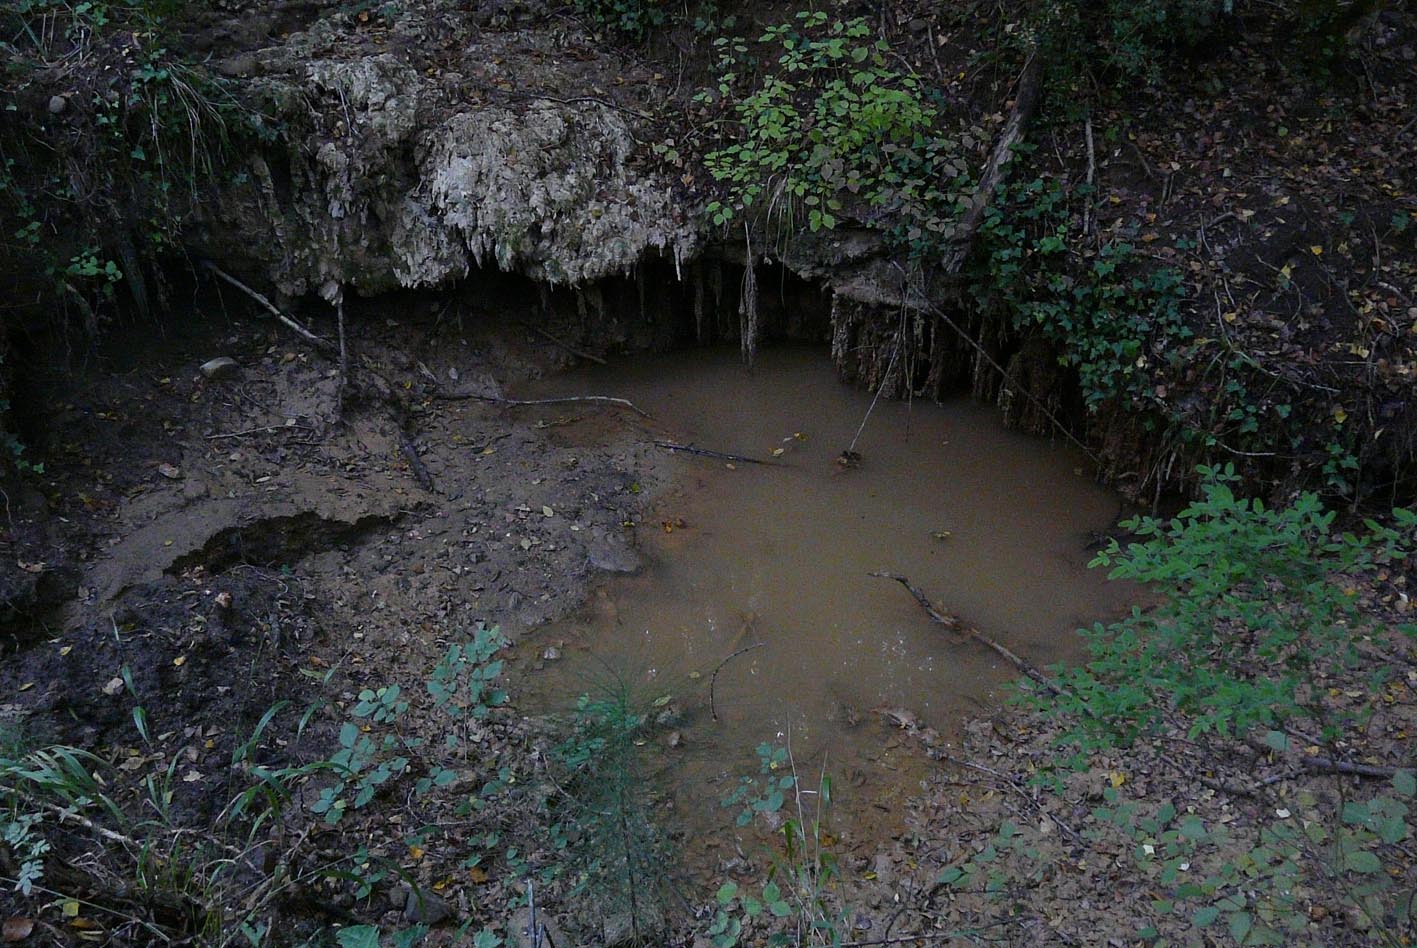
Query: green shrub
(830, 128)
(1110, 316)
(1255, 611)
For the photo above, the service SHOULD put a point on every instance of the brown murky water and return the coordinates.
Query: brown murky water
(991, 524)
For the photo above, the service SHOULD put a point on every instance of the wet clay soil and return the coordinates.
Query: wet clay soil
(992, 525)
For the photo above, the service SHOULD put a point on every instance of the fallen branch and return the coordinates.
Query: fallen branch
(705, 452)
(958, 626)
(1321, 764)
(995, 172)
(523, 402)
(713, 679)
(262, 430)
(323, 345)
(343, 352)
(415, 463)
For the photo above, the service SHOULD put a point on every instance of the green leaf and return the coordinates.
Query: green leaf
(1360, 860)
(1240, 924)
(1205, 916)
(410, 936)
(727, 892)
(487, 939)
(358, 936)
(1277, 740)
(1405, 783)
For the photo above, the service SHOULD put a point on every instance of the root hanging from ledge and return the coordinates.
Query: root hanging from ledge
(748, 312)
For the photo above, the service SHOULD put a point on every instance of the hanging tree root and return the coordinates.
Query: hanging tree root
(958, 626)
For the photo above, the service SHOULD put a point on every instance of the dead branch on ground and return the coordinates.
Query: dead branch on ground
(524, 402)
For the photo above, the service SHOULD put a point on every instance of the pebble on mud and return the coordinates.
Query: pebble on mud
(57, 104)
(551, 653)
(222, 367)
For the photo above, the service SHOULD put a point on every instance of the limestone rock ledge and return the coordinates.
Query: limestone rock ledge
(388, 171)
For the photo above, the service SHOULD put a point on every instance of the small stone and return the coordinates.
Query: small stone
(170, 471)
(57, 104)
(675, 739)
(551, 653)
(223, 599)
(222, 367)
(612, 557)
(425, 908)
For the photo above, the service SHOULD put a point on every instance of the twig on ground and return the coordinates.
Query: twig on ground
(1015, 786)
(705, 452)
(713, 679)
(415, 463)
(996, 170)
(126, 916)
(322, 344)
(1322, 764)
(251, 431)
(525, 402)
(343, 351)
(957, 625)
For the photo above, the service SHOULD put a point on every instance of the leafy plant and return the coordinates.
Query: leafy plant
(765, 792)
(1121, 41)
(636, 18)
(38, 784)
(1109, 317)
(1255, 880)
(830, 125)
(1255, 610)
(98, 184)
(800, 902)
(613, 841)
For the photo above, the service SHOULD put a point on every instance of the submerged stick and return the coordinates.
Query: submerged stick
(521, 402)
(713, 679)
(558, 341)
(321, 344)
(705, 452)
(955, 624)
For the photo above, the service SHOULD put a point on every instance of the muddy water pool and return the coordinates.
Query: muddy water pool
(993, 525)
